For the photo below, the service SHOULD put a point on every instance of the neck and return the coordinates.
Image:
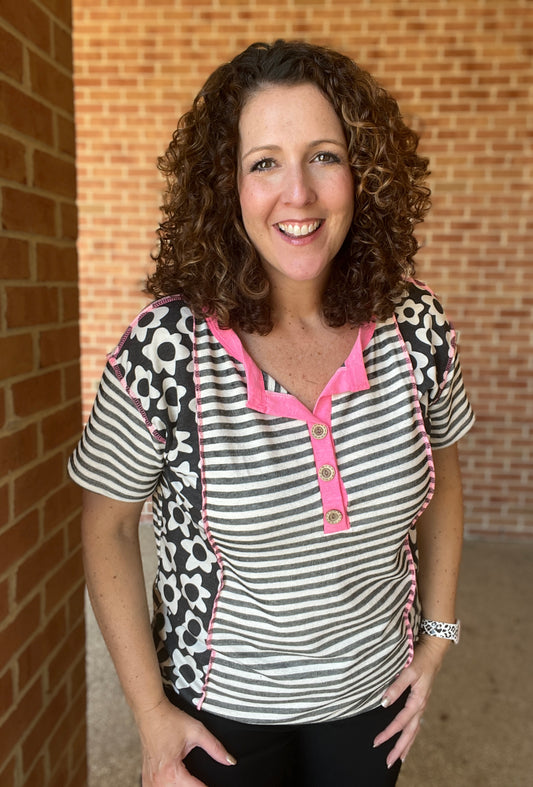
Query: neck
(301, 303)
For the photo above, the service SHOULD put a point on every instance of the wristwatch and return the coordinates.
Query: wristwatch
(435, 628)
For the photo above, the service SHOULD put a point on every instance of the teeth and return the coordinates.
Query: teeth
(299, 230)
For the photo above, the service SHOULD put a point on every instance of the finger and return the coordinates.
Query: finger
(404, 754)
(396, 689)
(404, 742)
(398, 724)
(207, 741)
(413, 709)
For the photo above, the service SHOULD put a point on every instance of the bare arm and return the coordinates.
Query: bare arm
(116, 587)
(115, 582)
(440, 538)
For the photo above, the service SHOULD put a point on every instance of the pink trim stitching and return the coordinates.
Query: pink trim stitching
(410, 601)
(420, 419)
(451, 358)
(153, 431)
(205, 520)
(453, 344)
(429, 495)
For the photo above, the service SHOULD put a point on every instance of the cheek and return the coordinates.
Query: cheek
(245, 198)
(345, 197)
(253, 203)
(338, 193)
(249, 213)
(347, 188)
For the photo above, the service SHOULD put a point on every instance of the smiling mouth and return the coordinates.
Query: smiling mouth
(299, 230)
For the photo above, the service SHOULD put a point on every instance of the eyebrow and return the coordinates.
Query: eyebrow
(316, 143)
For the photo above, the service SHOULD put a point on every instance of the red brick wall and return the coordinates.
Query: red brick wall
(462, 72)
(42, 673)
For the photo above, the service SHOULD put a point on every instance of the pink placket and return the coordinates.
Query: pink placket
(332, 491)
(351, 377)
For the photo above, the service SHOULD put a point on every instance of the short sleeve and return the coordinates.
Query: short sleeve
(144, 411)
(432, 345)
(450, 414)
(117, 455)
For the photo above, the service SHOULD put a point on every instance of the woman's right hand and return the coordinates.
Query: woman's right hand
(167, 736)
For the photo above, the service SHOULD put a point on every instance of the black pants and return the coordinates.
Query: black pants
(327, 754)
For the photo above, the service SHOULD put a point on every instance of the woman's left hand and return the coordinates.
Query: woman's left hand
(419, 677)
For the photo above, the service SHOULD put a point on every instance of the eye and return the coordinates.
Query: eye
(262, 165)
(325, 157)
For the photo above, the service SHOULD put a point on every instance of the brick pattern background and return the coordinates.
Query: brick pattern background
(462, 72)
(42, 641)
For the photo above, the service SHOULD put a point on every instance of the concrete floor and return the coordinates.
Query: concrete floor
(478, 729)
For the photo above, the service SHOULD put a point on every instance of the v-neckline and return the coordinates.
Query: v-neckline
(349, 377)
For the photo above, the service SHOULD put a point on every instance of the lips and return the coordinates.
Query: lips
(295, 230)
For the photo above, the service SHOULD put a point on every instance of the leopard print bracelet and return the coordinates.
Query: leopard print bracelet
(435, 628)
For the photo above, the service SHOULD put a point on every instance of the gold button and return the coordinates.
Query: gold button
(333, 517)
(326, 472)
(319, 431)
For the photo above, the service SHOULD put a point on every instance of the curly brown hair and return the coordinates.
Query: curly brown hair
(204, 252)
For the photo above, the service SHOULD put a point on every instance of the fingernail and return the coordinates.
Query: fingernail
(385, 702)
(231, 760)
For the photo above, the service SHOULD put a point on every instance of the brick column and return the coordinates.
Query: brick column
(42, 640)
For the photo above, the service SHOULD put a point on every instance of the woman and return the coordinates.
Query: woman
(292, 400)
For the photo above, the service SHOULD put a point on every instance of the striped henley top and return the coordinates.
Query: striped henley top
(286, 581)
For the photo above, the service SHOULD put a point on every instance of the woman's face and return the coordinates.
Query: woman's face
(295, 185)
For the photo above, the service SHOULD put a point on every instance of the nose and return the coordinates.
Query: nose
(298, 188)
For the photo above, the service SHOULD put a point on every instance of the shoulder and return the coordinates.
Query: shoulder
(166, 317)
(422, 320)
(154, 362)
(162, 332)
(429, 337)
(417, 303)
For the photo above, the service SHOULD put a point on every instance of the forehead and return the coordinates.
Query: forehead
(284, 109)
